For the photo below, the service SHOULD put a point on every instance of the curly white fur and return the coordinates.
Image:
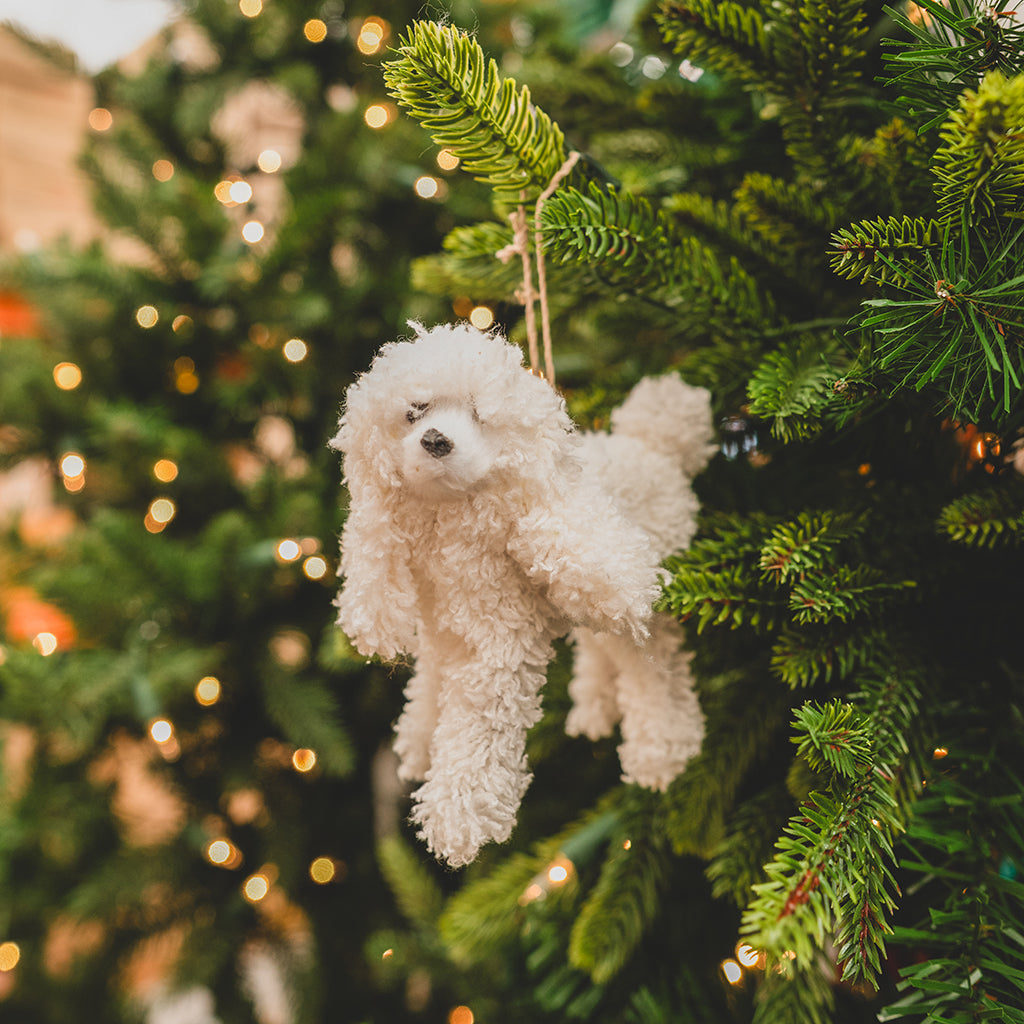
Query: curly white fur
(475, 538)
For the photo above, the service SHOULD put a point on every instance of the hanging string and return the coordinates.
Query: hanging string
(521, 246)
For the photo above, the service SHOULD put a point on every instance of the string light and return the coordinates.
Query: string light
(182, 323)
(165, 470)
(732, 971)
(460, 1015)
(161, 730)
(377, 115)
(240, 191)
(161, 511)
(288, 550)
(304, 760)
(250, 8)
(222, 190)
(256, 887)
(315, 568)
(163, 170)
(315, 30)
(427, 187)
(269, 161)
(481, 317)
(939, 753)
(621, 54)
(100, 119)
(387, 954)
(371, 35)
(185, 379)
(224, 854)
(447, 160)
(208, 691)
(554, 876)
(748, 956)
(10, 954)
(295, 350)
(147, 316)
(67, 376)
(45, 643)
(72, 464)
(322, 870)
(253, 231)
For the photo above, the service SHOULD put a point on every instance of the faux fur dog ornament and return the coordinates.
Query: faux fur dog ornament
(481, 528)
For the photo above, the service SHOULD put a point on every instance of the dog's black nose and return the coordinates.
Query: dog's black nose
(436, 443)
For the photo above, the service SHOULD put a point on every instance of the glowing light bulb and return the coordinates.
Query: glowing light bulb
(181, 323)
(250, 8)
(295, 350)
(322, 870)
(447, 160)
(163, 170)
(100, 119)
(240, 191)
(147, 316)
(208, 690)
(460, 1015)
(256, 887)
(315, 30)
(10, 954)
(376, 115)
(557, 874)
(315, 568)
(222, 190)
(371, 35)
(387, 954)
(162, 510)
(288, 550)
(67, 376)
(481, 317)
(747, 955)
(939, 753)
(426, 187)
(165, 470)
(161, 730)
(253, 231)
(627, 844)
(732, 971)
(269, 161)
(72, 464)
(304, 760)
(219, 851)
(45, 643)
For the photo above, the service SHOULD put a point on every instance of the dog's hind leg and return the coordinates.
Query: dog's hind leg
(415, 726)
(594, 711)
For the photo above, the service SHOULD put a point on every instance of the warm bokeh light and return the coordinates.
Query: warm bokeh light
(100, 119)
(288, 550)
(163, 170)
(208, 690)
(222, 190)
(162, 510)
(747, 955)
(377, 115)
(295, 350)
(939, 753)
(387, 954)
(67, 376)
(180, 323)
(304, 759)
(481, 317)
(315, 568)
(256, 887)
(732, 971)
(240, 191)
(147, 316)
(322, 870)
(72, 464)
(253, 231)
(219, 851)
(269, 161)
(627, 844)
(45, 643)
(447, 160)
(161, 730)
(315, 30)
(165, 470)
(371, 35)
(250, 8)
(10, 954)
(460, 1015)
(426, 187)
(557, 874)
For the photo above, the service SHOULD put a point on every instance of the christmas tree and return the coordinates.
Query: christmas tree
(811, 210)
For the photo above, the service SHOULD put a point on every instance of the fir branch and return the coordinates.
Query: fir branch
(808, 656)
(792, 387)
(416, 893)
(980, 169)
(834, 737)
(842, 594)
(619, 909)
(809, 542)
(873, 250)
(443, 79)
(988, 518)
(795, 996)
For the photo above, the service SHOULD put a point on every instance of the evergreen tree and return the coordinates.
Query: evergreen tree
(818, 219)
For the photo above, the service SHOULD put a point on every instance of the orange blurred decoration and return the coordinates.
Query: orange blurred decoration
(17, 317)
(26, 615)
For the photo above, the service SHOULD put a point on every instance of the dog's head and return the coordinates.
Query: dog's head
(444, 415)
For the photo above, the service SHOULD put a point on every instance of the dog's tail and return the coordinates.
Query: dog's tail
(671, 417)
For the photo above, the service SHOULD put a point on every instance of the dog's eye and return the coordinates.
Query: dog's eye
(417, 411)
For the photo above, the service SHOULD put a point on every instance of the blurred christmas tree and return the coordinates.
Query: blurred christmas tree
(820, 225)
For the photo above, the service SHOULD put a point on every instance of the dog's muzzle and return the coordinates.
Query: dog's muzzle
(435, 443)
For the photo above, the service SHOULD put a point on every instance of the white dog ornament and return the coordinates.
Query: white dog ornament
(481, 528)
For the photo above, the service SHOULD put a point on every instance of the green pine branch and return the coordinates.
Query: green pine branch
(988, 518)
(809, 542)
(874, 250)
(443, 79)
